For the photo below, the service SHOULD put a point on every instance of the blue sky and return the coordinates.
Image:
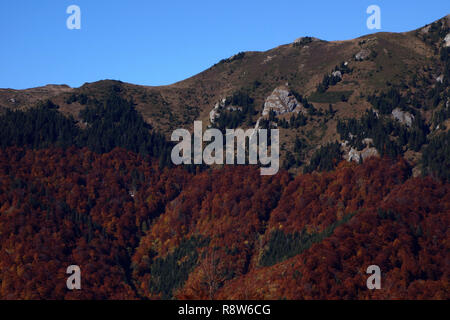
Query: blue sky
(154, 42)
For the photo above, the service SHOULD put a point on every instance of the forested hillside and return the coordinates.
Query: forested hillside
(138, 231)
(86, 179)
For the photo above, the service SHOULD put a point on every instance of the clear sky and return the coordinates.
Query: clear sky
(153, 42)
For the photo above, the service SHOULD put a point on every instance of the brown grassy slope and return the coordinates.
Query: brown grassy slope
(398, 57)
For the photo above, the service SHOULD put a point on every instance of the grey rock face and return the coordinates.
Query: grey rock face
(281, 101)
(403, 117)
(362, 55)
(447, 40)
(351, 154)
(337, 74)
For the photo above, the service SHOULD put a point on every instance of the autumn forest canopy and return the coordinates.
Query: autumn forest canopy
(142, 231)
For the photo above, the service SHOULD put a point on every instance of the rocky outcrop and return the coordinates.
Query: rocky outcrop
(268, 59)
(403, 117)
(357, 156)
(351, 154)
(282, 101)
(215, 112)
(367, 141)
(220, 106)
(369, 152)
(362, 55)
(447, 40)
(337, 74)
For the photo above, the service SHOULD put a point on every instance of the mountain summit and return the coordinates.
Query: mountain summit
(313, 87)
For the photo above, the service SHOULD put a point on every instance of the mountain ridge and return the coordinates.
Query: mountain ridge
(378, 63)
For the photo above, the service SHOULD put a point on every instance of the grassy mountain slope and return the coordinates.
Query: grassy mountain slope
(409, 62)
